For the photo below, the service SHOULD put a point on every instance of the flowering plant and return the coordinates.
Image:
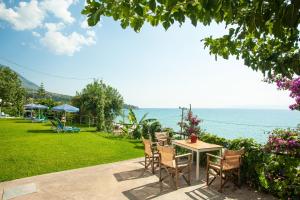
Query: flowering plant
(284, 142)
(293, 85)
(191, 124)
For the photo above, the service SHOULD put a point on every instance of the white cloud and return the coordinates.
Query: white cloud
(62, 44)
(54, 26)
(60, 8)
(30, 15)
(24, 17)
(33, 14)
(91, 33)
(36, 34)
(84, 24)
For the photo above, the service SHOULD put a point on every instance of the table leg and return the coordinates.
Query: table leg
(192, 156)
(197, 166)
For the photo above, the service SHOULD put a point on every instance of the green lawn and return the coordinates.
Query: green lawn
(28, 149)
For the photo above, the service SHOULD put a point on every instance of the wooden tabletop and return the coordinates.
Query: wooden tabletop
(199, 145)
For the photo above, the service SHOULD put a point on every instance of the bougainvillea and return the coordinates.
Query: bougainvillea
(284, 142)
(191, 124)
(293, 85)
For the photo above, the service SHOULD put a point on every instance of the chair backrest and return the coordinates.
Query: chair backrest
(147, 146)
(53, 123)
(161, 135)
(59, 124)
(167, 155)
(233, 157)
(233, 152)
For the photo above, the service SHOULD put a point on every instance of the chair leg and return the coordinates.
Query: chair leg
(207, 175)
(176, 179)
(189, 174)
(152, 164)
(221, 181)
(160, 178)
(239, 178)
(145, 162)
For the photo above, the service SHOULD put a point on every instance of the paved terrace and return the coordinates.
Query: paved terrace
(120, 180)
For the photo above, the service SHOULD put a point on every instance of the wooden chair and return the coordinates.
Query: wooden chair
(174, 165)
(227, 167)
(162, 138)
(151, 155)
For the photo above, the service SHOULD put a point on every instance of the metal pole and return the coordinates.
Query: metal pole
(182, 112)
(181, 121)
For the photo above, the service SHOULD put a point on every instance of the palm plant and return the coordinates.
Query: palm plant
(135, 127)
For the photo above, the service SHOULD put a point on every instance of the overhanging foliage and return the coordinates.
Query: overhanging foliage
(264, 33)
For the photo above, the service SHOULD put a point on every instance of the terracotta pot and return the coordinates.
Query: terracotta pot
(193, 138)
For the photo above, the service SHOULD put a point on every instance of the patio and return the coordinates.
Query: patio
(120, 180)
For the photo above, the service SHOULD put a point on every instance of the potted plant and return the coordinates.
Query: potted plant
(191, 126)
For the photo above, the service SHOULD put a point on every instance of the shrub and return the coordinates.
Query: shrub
(284, 142)
(265, 170)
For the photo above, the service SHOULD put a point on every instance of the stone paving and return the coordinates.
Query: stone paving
(120, 180)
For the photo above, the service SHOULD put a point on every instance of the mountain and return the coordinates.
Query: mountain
(28, 84)
(32, 88)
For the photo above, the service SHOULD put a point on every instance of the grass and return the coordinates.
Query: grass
(28, 149)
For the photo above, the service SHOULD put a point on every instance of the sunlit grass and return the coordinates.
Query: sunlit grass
(28, 149)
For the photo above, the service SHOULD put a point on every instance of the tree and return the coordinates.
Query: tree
(47, 102)
(264, 33)
(11, 91)
(100, 101)
(41, 92)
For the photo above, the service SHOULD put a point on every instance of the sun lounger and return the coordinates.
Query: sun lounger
(40, 119)
(58, 126)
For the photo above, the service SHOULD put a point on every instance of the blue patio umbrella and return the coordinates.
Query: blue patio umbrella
(41, 107)
(33, 106)
(66, 108)
(30, 106)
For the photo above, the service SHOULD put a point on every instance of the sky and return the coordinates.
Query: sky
(49, 41)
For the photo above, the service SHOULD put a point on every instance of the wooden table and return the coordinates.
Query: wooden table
(198, 147)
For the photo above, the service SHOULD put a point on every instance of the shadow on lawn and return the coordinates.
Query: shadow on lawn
(40, 131)
(23, 121)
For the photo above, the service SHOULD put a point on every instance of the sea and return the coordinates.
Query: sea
(227, 122)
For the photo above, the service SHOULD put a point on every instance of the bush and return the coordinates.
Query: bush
(284, 142)
(265, 170)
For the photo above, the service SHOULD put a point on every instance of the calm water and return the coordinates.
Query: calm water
(230, 123)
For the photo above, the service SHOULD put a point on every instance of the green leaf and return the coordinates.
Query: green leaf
(139, 10)
(124, 24)
(171, 3)
(152, 5)
(194, 20)
(166, 25)
(96, 17)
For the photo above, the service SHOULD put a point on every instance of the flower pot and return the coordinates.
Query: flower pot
(193, 138)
